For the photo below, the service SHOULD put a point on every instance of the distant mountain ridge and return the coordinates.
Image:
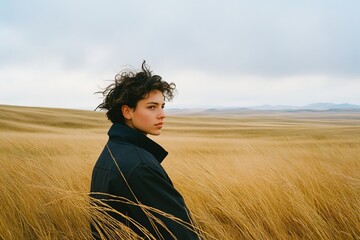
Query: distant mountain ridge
(313, 106)
(270, 108)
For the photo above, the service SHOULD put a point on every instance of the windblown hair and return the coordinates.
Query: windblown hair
(130, 87)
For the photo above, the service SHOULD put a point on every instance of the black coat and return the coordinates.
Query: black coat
(130, 160)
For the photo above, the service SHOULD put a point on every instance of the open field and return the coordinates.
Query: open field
(258, 176)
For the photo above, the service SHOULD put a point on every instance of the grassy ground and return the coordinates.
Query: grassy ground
(258, 176)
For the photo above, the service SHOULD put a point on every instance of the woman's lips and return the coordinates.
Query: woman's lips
(159, 125)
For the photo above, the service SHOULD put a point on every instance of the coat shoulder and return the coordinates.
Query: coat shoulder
(123, 156)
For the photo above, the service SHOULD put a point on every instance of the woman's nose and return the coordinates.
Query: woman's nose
(162, 114)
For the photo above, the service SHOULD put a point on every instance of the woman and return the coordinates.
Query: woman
(128, 180)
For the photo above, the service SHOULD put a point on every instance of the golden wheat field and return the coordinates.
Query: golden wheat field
(244, 176)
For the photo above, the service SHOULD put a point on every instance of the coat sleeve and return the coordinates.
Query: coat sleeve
(153, 188)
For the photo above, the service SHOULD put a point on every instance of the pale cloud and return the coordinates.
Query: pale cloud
(252, 90)
(55, 87)
(50, 86)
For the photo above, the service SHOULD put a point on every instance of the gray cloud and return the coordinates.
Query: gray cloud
(257, 37)
(263, 38)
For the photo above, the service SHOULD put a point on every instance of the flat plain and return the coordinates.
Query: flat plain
(256, 175)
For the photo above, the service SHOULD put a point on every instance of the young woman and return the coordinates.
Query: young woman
(128, 180)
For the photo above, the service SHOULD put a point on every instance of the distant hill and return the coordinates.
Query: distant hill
(328, 106)
(41, 119)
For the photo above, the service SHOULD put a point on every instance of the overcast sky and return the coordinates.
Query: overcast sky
(219, 53)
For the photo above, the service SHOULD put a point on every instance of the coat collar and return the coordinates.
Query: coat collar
(126, 134)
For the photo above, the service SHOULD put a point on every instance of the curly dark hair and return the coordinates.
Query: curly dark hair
(130, 87)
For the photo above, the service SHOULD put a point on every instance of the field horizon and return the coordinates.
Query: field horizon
(249, 176)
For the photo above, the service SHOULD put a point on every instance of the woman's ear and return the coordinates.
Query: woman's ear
(126, 112)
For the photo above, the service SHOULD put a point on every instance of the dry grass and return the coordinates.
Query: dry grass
(265, 176)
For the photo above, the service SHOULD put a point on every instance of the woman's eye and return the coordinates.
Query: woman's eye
(152, 107)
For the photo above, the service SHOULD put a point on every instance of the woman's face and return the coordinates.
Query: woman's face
(148, 116)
